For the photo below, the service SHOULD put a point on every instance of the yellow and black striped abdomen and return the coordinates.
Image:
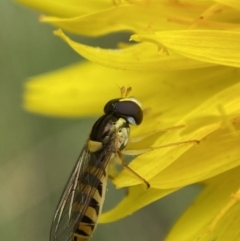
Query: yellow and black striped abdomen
(95, 184)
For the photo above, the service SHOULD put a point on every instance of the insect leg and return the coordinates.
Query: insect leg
(120, 160)
(140, 138)
(141, 151)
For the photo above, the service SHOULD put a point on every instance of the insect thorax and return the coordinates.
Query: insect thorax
(122, 134)
(109, 129)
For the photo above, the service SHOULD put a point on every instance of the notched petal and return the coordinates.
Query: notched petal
(141, 57)
(210, 46)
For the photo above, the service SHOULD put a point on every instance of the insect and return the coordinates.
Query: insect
(82, 200)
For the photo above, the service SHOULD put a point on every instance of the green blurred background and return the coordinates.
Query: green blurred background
(37, 152)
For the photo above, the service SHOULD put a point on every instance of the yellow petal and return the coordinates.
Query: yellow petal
(211, 46)
(67, 8)
(129, 204)
(145, 16)
(195, 221)
(217, 154)
(159, 159)
(141, 57)
(81, 89)
(125, 17)
(129, 17)
(78, 90)
(231, 3)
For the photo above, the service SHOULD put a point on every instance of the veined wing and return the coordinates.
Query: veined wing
(84, 182)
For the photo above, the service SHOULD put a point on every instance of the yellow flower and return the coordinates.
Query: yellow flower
(185, 68)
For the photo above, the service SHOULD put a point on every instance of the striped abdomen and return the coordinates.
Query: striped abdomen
(94, 184)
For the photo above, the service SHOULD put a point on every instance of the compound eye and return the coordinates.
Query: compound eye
(110, 106)
(130, 109)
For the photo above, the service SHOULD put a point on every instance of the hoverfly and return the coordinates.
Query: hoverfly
(82, 200)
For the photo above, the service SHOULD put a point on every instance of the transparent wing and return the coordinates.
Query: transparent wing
(79, 191)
